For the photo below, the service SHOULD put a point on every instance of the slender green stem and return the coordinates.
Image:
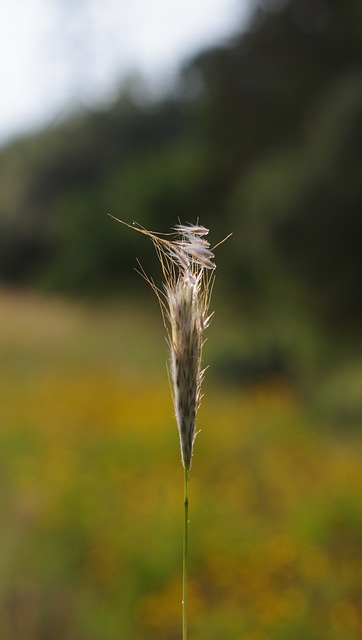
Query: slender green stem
(185, 555)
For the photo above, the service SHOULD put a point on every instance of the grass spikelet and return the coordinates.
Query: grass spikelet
(188, 269)
(187, 303)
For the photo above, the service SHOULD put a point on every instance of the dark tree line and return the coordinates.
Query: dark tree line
(267, 145)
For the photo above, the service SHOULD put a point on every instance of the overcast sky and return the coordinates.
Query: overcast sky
(55, 53)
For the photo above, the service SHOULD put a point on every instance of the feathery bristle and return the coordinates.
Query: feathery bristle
(194, 229)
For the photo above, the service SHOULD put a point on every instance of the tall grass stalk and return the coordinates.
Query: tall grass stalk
(188, 269)
(185, 554)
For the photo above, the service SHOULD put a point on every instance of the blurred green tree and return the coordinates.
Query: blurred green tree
(261, 136)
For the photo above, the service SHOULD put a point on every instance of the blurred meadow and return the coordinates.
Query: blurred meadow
(260, 137)
(91, 490)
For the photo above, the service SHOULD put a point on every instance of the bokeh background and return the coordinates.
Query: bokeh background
(246, 116)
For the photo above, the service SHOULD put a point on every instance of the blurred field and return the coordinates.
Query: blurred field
(91, 492)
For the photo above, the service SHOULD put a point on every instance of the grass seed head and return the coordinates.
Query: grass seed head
(188, 269)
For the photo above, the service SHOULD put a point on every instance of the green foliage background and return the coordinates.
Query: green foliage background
(260, 137)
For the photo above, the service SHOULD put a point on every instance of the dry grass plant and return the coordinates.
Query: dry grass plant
(188, 268)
